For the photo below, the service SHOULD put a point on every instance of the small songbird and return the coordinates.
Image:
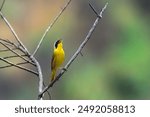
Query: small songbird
(57, 58)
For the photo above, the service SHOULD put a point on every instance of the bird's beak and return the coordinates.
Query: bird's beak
(61, 40)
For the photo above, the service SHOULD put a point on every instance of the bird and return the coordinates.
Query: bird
(58, 58)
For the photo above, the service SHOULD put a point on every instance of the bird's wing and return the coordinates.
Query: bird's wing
(53, 61)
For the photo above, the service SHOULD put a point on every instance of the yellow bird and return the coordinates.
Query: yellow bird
(57, 58)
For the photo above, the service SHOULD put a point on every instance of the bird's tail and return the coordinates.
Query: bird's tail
(53, 74)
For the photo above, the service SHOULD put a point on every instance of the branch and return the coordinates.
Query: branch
(6, 66)
(2, 5)
(18, 66)
(36, 64)
(82, 45)
(17, 54)
(5, 50)
(25, 51)
(13, 56)
(12, 30)
(50, 26)
(7, 42)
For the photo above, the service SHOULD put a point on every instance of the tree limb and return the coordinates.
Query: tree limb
(50, 26)
(82, 45)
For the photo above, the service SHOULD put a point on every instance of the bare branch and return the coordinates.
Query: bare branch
(94, 10)
(2, 5)
(25, 51)
(101, 13)
(13, 56)
(41, 82)
(17, 54)
(20, 67)
(6, 66)
(4, 50)
(6, 42)
(82, 45)
(50, 26)
(37, 65)
(12, 30)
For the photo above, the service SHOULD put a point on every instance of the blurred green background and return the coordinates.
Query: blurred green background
(115, 62)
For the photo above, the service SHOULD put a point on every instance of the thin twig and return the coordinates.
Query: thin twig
(50, 26)
(5, 50)
(6, 42)
(82, 45)
(20, 67)
(13, 56)
(94, 10)
(6, 66)
(17, 54)
(2, 5)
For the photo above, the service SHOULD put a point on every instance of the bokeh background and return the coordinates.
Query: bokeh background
(115, 62)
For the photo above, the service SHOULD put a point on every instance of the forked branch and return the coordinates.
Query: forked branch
(20, 46)
(82, 45)
(30, 59)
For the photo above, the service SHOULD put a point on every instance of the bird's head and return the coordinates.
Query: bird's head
(58, 43)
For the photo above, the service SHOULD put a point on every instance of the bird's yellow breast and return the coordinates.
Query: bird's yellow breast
(59, 56)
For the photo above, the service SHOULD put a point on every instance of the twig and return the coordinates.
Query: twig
(50, 26)
(13, 56)
(12, 30)
(2, 5)
(17, 54)
(6, 66)
(94, 10)
(6, 42)
(18, 66)
(77, 52)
